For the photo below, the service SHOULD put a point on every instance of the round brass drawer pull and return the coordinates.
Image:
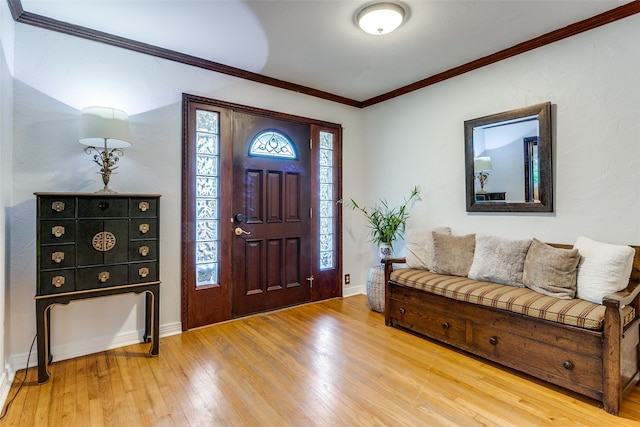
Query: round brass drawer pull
(57, 231)
(567, 365)
(57, 281)
(445, 325)
(57, 257)
(493, 340)
(402, 310)
(57, 206)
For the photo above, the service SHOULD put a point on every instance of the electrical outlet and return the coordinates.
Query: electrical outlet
(347, 279)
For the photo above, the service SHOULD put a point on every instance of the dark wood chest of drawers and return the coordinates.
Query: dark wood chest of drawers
(91, 242)
(93, 245)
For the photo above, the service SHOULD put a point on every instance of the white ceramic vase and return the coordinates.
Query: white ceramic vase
(386, 251)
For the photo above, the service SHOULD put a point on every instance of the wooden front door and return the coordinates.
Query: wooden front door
(271, 224)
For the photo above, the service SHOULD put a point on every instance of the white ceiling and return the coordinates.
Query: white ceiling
(316, 43)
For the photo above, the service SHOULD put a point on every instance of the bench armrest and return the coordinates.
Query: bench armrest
(624, 297)
(388, 268)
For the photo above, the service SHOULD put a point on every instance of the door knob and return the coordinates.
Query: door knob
(239, 231)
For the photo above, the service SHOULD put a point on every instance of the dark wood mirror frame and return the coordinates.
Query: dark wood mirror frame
(545, 203)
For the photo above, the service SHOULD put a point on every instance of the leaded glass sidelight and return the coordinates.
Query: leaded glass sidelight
(272, 143)
(207, 199)
(327, 253)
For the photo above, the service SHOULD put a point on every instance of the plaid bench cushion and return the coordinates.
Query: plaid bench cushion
(574, 312)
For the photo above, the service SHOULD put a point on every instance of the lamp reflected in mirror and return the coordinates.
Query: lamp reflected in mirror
(481, 165)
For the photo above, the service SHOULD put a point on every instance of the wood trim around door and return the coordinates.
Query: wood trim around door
(330, 281)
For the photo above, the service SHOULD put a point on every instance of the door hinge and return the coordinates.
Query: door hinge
(310, 212)
(310, 143)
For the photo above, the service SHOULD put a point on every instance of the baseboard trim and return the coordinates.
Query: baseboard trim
(349, 291)
(95, 345)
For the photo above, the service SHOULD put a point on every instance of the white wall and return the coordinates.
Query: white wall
(6, 140)
(591, 80)
(55, 76)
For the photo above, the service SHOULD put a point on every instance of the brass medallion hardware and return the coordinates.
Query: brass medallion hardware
(57, 231)
(144, 228)
(103, 241)
(57, 281)
(143, 206)
(103, 276)
(143, 272)
(57, 206)
(143, 250)
(57, 257)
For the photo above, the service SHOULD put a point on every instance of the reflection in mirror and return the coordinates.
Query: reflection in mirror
(508, 161)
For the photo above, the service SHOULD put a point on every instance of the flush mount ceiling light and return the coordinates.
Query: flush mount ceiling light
(380, 18)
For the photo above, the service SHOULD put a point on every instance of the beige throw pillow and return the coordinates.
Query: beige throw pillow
(551, 271)
(499, 260)
(420, 252)
(603, 269)
(453, 254)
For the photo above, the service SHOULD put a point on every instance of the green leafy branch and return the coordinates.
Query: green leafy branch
(386, 224)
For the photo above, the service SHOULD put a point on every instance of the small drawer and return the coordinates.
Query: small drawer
(57, 256)
(143, 207)
(56, 282)
(142, 272)
(437, 325)
(143, 250)
(102, 277)
(98, 207)
(57, 231)
(57, 207)
(143, 228)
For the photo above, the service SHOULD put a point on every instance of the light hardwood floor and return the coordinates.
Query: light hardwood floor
(332, 363)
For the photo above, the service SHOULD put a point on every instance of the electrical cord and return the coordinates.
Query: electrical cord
(26, 371)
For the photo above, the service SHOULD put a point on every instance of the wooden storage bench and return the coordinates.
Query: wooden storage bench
(601, 364)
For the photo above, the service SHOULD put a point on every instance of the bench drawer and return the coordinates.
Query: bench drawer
(517, 351)
(443, 327)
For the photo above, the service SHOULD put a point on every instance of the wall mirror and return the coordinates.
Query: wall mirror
(508, 161)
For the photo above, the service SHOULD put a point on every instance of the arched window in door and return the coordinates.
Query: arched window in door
(272, 143)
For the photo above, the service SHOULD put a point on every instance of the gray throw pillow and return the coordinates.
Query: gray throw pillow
(453, 254)
(420, 246)
(551, 271)
(499, 260)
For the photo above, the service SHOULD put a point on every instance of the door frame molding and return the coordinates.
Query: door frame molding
(187, 225)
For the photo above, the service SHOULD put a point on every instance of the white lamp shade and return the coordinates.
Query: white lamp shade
(102, 124)
(380, 18)
(482, 163)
